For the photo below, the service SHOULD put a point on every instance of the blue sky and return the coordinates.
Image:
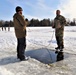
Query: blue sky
(36, 8)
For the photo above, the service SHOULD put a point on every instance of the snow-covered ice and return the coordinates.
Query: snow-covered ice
(39, 40)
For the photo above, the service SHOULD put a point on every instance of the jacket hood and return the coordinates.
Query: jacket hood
(15, 15)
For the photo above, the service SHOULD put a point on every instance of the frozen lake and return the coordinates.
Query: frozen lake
(40, 47)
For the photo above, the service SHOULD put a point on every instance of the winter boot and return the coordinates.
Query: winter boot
(57, 48)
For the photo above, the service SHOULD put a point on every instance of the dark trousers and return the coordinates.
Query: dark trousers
(21, 45)
(59, 40)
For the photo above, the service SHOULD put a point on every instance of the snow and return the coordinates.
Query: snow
(40, 43)
(3, 71)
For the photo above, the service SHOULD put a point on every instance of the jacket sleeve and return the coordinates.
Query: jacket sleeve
(63, 21)
(53, 25)
(21, 20)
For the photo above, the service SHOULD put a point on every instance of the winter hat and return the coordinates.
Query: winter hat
(18, 8)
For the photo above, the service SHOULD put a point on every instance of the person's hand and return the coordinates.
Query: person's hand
(53, 26)
(59, 26)
(26, 19)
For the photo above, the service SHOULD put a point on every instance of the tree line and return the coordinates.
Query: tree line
(36, 23)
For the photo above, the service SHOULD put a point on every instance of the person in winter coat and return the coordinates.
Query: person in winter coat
(20, 32)
(59, 23)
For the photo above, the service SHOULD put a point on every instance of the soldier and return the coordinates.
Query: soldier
(2, 28)
(20, 32)
(9, 27)
(59, 23)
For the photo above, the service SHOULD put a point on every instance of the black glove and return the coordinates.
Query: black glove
(26, 19)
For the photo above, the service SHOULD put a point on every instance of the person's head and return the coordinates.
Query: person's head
(19, 10)
(57, 12)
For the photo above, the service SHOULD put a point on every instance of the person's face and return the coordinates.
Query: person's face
(57, 12)
(20, 12)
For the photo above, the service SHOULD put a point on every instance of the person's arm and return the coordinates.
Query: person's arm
(63, 21)
(53, 25)
(21, 20)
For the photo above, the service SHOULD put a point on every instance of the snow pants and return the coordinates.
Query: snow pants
(59, 40)
(21, 45)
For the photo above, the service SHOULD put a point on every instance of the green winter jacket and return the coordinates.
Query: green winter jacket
(59, 23)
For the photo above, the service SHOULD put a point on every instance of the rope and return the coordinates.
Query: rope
(41, 44)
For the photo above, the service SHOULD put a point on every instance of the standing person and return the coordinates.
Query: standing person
(20, 32)
(59, 23)
(9, 27)
(2, 28)
(5, 28)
